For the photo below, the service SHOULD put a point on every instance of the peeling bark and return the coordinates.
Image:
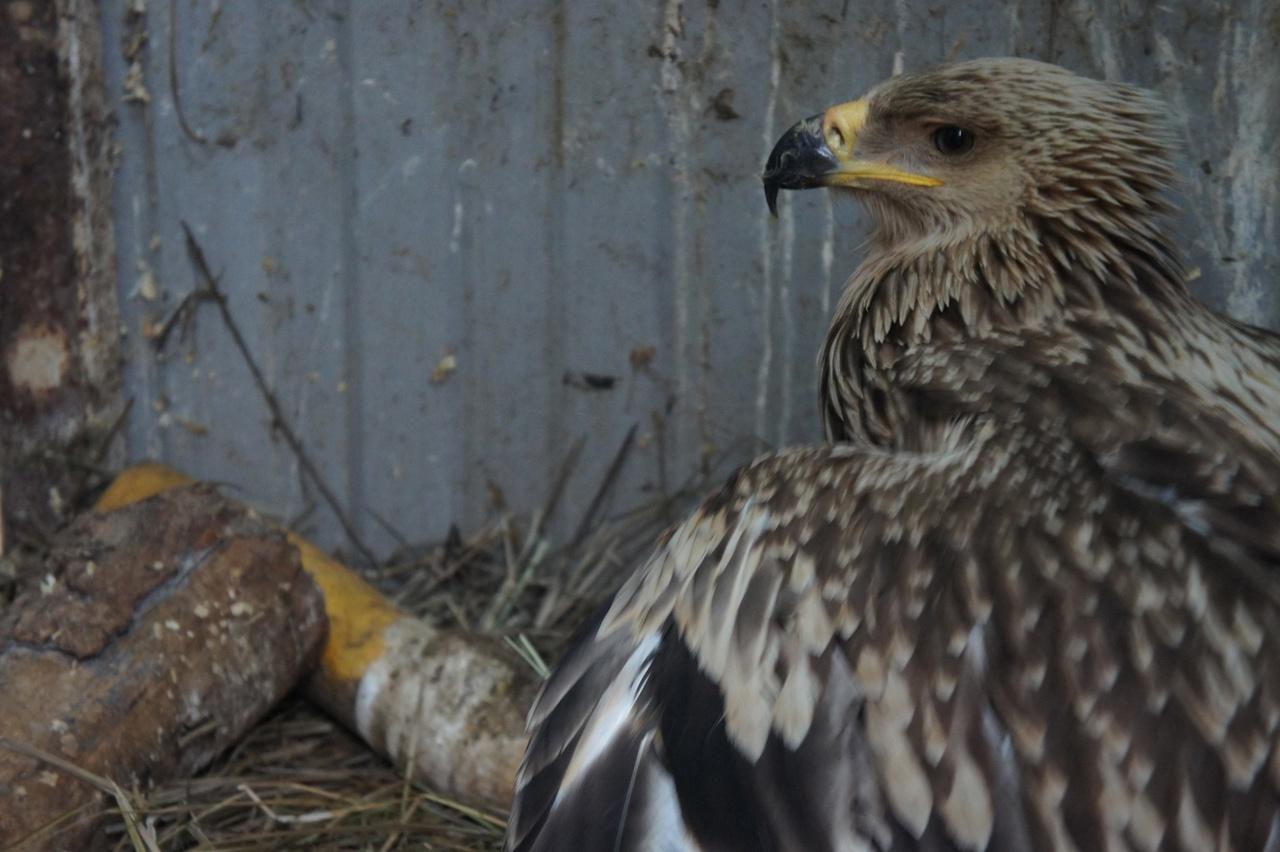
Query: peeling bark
(447, 708)
(159, 634)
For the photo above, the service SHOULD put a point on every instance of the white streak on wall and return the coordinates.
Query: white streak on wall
(455, 236)
(827, 253)
(766, 233)
(900, 14)
(671, 80)
(783, 433)
(1252, 167)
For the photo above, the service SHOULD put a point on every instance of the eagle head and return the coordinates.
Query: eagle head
(982, 145)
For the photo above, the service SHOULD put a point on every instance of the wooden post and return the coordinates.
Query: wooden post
(60, 380)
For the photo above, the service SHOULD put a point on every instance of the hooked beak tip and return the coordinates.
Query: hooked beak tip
(771, 196)
(800, 160)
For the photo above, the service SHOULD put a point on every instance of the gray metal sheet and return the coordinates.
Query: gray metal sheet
(542, 189)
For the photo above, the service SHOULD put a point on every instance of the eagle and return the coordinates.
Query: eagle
(1027, 597)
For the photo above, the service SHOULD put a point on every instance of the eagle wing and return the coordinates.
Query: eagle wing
(1031, 631)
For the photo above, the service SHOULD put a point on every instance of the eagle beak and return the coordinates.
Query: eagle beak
(820, 151)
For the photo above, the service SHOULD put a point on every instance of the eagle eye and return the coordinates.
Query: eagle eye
(952, 140)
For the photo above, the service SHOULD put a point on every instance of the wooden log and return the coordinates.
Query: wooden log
(159, 635)
(446, 707)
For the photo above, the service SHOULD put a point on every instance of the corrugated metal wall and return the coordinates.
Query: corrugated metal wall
(562, 201)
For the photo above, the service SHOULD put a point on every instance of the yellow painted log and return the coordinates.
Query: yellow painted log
(358, 613)
(447, 708)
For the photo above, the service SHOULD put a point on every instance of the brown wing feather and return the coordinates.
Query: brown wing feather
(1026, 634)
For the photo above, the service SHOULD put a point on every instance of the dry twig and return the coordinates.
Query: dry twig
(210, 292)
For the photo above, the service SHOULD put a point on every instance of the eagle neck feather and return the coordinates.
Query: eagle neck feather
(1041, 273)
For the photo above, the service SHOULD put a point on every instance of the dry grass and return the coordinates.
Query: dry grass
(300, 781)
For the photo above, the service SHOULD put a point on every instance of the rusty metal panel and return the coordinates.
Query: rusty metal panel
(458, 236)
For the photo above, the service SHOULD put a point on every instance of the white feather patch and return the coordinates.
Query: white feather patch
(610, 715)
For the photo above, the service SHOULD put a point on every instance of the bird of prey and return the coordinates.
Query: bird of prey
(1029, 596)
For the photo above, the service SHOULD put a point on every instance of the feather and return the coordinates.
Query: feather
(1029, 601)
